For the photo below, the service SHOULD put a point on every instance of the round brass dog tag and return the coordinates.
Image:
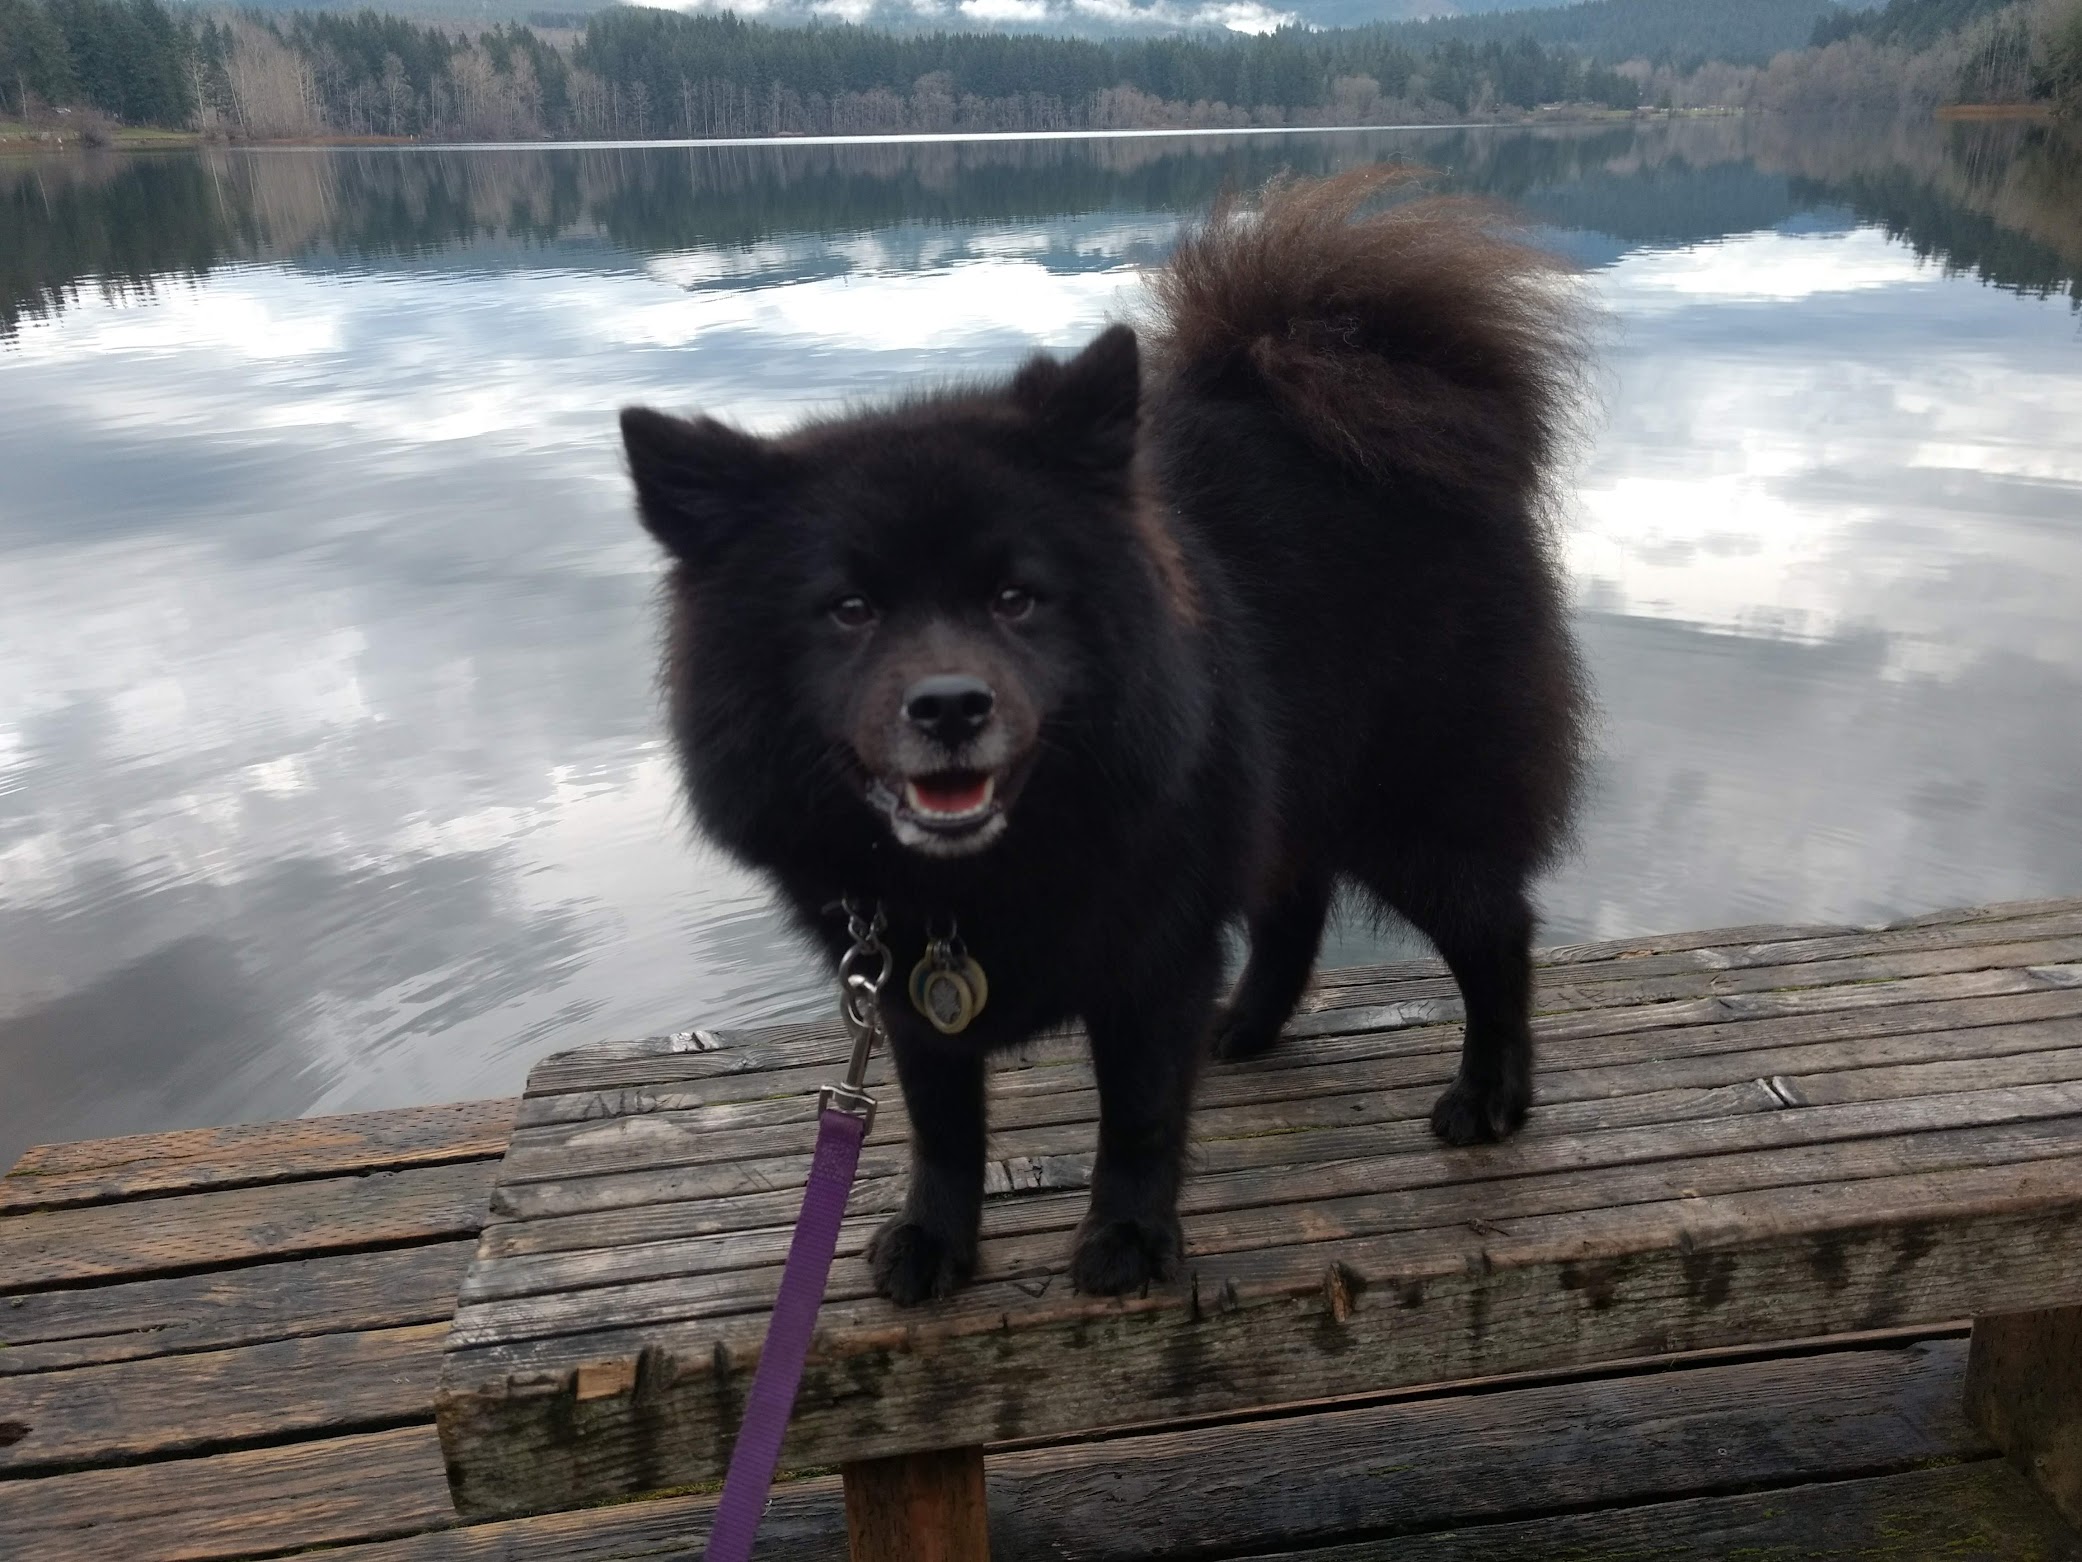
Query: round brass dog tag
(948, 988)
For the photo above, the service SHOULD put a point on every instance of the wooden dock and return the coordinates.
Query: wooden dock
(227, 1343)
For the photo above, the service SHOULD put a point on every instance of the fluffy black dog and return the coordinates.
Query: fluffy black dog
(1090, 664)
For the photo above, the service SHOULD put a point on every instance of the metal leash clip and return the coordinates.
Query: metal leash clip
(864, 970)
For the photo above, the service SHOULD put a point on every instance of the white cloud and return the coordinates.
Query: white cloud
(1835, 476)
(1028, 11)
(1780, 268)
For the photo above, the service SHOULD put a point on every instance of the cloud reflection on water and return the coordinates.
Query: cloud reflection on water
(329, 760)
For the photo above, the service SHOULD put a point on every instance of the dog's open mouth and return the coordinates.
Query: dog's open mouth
(946, 813)
(953, 799)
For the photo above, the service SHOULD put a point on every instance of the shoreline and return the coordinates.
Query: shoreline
(1956, 112)
(16, 138)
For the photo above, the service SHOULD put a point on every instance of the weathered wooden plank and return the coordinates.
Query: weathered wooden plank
(1392, 1090)
(2024, 1389)
(1628, 960)
(1564, 991)
(206, 1400)
(193, 1231)
(1290, 1172)
(1240, 1102)
(743, 1131)
(535, 1202)
(1065, 1091)
(251, 1305)
(760, 1067)
(259, 1501)
(1339, 991)
(1384, 1147)
(805, 1522)
(97, 1170)
(692, 1054)
(1315, 1477)
(270, 1500)
(605, 1083)
(1433, 1189)
(1696, 1024)
(1446, 1462)
(1578, 1134)
(1962, 918)
(1981, 1512)
(1993, 911)
(1274, 1325)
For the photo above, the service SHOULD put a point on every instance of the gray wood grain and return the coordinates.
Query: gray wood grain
(1260, 1327)
(726, 1130)
(195, 1231)
(765, 1180)
(1854, 1010)
(248, 1305)
(1568, 988)
(739, 1270)
(1432, 1464)
(612, 1071)
(1982, 1512)
(51, 1176)
(131, 1410)
(261, 1500)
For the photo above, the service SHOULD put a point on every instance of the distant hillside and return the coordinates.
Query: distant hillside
(1914, 24)
(1740, 32)
(1073, 18)
(1614, 29)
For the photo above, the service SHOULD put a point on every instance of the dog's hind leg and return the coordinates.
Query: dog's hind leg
(1478, 917)
(1285, 935)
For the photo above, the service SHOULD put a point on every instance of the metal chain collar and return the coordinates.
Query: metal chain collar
(864, 970)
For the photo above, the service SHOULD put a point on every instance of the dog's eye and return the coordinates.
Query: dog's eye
(1013, 602)
(854, 612)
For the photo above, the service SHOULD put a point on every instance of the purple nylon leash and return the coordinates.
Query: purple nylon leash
(758, 1451)
(845, 1113)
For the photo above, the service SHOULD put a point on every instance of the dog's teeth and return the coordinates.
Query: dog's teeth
(916, 800)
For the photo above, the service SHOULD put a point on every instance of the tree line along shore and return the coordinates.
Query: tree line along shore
(112, 71)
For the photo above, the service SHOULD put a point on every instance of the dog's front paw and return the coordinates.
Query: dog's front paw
(1116, 1256)
(1240, 1034)
(911, 1262)
(1481, 1114)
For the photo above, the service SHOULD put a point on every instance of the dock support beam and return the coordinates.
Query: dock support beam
(918, 1508)
(2024, 1389)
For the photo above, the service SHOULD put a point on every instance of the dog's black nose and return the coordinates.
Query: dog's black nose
(951, 707)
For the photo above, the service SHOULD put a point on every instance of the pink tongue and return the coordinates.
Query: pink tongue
(951, 794)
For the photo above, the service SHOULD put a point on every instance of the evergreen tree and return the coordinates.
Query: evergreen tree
(34, 62)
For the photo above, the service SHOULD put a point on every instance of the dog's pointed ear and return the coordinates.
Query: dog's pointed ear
(698, 481)
(1087, 406)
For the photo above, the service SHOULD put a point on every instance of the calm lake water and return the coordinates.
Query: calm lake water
(330, 761)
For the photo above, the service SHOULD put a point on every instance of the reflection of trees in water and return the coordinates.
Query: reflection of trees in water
(121, 225)
(2002, 200)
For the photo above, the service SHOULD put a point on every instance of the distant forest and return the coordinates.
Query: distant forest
(644, 73)
(1916, 24)
(1680, 32)
(631, 73)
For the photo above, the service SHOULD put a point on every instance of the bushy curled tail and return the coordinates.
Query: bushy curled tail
(1421, 343)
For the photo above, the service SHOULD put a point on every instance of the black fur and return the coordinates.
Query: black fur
(1281, 615)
